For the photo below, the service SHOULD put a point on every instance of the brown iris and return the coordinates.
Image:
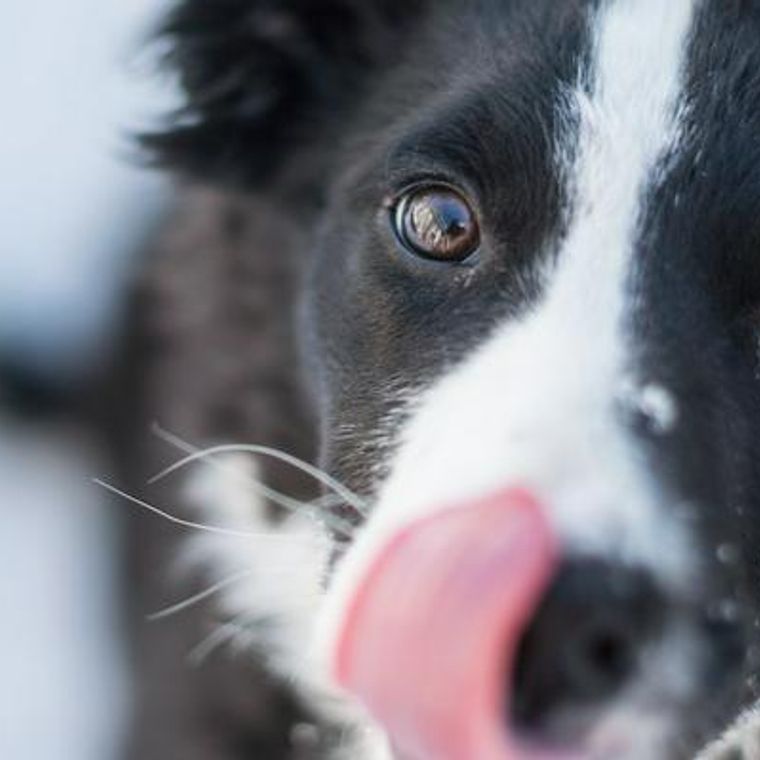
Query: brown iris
(436, 222)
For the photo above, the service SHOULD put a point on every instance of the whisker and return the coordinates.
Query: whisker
(217, 638)
(199, 597)
(249, 627)
(220, 586)
(194, 454)
(315, 510)
(229, 532)
(240, 626)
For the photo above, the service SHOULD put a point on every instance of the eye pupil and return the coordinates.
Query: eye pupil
(437, 222)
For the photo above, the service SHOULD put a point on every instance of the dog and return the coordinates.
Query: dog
(477, 259)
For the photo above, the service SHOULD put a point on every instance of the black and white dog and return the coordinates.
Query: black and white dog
(467, 252)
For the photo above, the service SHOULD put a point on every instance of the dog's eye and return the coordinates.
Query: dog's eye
(436, 222)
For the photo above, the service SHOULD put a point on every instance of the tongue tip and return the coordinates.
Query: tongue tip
(428, 640)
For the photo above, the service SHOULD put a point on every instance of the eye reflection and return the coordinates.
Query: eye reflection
(437, 222)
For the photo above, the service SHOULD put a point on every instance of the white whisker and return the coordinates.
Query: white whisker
(224, 634)
(199, 597)
(229, 532)
(315, 510)
(195, 454)
(241, 626)
(271, 572)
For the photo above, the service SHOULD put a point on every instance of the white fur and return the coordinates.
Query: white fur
(285, 563)
(654, 403)
(536, 405)
(278, 576)
(742, 740)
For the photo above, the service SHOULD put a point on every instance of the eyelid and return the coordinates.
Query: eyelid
(416, 162)
(407, 172)
(408, 184)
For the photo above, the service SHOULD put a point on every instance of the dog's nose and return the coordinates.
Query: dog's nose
(585, 640)
(467, 632)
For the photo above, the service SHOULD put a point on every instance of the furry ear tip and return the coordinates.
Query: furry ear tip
(207, 154)
(261, 77)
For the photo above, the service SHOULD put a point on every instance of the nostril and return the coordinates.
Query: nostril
(584, 642)
(600, 660)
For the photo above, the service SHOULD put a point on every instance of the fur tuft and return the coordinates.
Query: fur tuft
(262, 78)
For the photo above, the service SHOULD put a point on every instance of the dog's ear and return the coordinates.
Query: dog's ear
(264, 77)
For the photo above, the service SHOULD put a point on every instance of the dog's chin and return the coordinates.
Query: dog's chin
(623, 733)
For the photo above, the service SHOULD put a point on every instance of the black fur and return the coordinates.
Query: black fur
(266, 78)
(290, 315)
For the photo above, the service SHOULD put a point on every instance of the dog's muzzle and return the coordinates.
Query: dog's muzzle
(468, 628)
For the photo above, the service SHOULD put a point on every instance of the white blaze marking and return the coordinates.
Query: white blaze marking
(535, 405)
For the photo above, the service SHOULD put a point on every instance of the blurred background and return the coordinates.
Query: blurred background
(77, 78)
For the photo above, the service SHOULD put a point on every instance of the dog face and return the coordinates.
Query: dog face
(534, 265)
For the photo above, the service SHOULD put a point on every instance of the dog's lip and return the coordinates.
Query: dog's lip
(430, 659)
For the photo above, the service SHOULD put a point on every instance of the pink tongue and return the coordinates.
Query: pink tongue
(431, 633)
